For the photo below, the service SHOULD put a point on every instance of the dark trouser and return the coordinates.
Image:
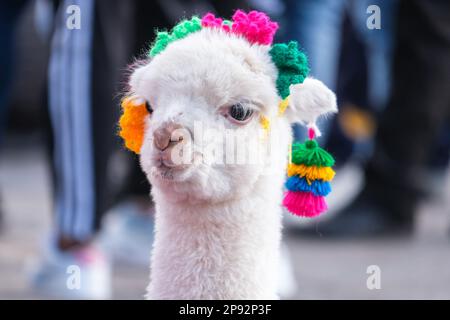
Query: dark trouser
(9, 14)
(86, 70)
(418, 108)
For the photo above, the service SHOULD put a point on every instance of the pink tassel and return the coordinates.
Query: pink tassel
(304, 204)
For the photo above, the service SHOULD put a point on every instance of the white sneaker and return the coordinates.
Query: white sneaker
(77, 274)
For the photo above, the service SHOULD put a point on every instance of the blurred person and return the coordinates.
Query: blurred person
(85, 67)
(319, 25)
(82, 74)
(9, 15)
(417, 111)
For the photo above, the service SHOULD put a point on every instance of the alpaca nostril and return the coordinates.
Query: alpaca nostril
(161, 139)
(167, 135)
(174, 138)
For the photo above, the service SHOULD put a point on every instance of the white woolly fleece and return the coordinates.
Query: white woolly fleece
(218, 227)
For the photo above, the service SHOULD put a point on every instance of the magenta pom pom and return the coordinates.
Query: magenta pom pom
(210, 20)
(304, 204)
(255, 26)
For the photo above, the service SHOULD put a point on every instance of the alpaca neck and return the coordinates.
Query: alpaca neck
(226, 250)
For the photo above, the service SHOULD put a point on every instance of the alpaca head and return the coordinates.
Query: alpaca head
(205, 113)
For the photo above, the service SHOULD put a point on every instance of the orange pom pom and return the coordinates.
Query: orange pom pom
(132, 123)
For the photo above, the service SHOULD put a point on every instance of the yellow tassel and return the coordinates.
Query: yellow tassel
(311, 173)
(282, 106)
(265, 122)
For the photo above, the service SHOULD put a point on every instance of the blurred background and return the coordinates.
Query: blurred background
(70, 195)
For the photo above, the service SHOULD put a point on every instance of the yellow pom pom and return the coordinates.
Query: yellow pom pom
(132, 123)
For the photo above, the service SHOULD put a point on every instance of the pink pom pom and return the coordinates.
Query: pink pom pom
(304, 204)
(255, 26)
(226, 27)
(210, 20)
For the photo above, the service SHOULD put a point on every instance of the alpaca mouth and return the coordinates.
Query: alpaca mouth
(169, 173)
(165, 170)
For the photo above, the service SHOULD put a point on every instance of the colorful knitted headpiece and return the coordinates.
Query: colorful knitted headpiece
(256, 28)
(310, 172)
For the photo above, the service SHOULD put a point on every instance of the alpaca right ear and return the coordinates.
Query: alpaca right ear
(308, 101)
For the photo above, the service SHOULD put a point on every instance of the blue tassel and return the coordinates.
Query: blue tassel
(317, 187)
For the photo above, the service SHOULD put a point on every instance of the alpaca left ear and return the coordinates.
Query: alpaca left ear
(308, 101)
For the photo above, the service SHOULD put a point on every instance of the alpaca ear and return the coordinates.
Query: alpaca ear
(308, 101)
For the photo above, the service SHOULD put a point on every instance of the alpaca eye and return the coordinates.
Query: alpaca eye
(148, 107)
(240, 113)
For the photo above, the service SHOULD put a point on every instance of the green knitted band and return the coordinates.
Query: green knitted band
(292, 65)
(180, 31)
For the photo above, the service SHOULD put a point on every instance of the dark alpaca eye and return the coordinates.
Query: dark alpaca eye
(240, 113)
(148, 107)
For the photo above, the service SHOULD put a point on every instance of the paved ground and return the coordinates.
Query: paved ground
(410, 268)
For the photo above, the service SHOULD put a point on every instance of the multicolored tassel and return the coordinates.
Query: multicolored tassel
(309, 173)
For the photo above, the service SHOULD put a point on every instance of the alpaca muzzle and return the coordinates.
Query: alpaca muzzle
(171, 141)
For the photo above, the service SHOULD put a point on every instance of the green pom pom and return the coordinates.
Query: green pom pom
(292, 65)
(180, 31)
(163, 38)
(310, 154)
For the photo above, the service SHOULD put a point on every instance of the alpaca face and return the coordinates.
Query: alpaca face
(208, 92)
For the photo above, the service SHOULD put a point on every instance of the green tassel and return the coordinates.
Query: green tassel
(310, 154)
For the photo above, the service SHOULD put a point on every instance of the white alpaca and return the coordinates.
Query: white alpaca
(217, 226)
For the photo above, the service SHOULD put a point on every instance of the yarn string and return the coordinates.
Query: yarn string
(311, 133)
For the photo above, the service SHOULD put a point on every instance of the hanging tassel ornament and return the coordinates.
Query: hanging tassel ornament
(309, 176)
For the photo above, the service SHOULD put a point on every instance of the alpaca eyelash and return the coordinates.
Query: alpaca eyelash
(148, 107)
